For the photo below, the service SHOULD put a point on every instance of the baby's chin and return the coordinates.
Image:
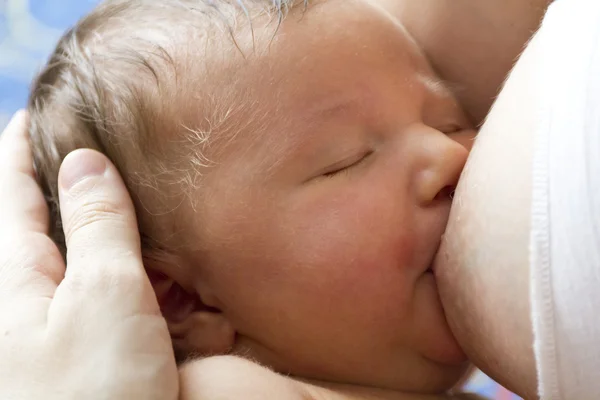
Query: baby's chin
(437, 342)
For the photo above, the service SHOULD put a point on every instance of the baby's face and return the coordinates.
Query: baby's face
(319, 223)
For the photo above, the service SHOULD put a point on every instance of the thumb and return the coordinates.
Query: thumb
(101, 232)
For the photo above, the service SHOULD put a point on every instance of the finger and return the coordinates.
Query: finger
(30, 264)
(31, 267)
(22, 204)
(14, 144)
(103, 243)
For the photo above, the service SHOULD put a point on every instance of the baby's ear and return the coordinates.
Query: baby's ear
(194, 327)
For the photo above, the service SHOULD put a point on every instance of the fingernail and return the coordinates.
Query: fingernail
(79, 165)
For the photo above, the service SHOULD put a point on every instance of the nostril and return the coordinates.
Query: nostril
(447, 192)
(452, 193)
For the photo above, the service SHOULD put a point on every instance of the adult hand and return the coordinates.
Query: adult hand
(89, 331)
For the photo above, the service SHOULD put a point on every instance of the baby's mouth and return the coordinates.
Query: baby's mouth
(431, 265)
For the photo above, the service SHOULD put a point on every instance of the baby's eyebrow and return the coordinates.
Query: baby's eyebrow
(316, 112)
(332, 106)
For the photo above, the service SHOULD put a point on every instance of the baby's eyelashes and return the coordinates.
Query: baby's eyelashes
(345, 165)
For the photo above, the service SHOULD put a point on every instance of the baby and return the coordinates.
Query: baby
(292, 166)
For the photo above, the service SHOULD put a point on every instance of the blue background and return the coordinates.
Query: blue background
(29, 30)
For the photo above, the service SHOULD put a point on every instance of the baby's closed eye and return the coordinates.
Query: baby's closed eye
(345, 165)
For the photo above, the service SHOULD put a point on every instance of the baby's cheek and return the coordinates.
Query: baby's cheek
(367, 277)
(357, 245)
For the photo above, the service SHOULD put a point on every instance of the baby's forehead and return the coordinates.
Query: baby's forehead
(242, 85)
(260, 94)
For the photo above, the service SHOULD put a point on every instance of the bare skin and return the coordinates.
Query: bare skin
(485, 252)
(232, 378)
(497, 339)
(50, 315)
(472, 44)
(479, 72)
(253, 381)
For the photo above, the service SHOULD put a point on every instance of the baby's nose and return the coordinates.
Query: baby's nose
(444, 161)
(465, 138)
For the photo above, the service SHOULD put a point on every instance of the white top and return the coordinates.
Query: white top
(565, 231)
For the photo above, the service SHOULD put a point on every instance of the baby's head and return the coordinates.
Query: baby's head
(291, 167)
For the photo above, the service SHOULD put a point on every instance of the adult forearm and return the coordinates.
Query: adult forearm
(472, 43)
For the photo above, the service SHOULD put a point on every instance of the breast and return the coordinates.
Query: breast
(483, 265)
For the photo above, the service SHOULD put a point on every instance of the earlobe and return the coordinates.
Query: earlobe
(203, 333)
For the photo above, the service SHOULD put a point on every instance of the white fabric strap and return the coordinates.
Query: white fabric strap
(565, 231)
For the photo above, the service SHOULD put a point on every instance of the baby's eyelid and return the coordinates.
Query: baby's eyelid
(346, 164)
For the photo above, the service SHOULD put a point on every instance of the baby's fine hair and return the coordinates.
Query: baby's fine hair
(112, 84)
